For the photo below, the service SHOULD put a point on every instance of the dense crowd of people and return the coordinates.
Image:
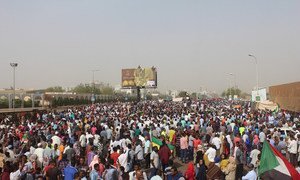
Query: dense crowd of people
(207, 139)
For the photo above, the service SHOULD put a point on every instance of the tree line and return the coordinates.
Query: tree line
(84, 89)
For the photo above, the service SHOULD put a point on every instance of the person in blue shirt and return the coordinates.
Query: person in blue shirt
(175, 175)
(70, 171)
(94, 175)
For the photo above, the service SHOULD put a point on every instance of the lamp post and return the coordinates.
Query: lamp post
(256, 67)
(93, 95)
(14, 65)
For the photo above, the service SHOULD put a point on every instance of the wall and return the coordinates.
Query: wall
(287, 96)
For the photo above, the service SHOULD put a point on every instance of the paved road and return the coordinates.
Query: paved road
(10, 110)
(180, 166)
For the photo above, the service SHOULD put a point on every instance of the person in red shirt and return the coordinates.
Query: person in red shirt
(190, 172)
(226, 147)
(7, 169)
(51, 171)
(196, 142)
(237, 139)
(164, 155)
(114, 156)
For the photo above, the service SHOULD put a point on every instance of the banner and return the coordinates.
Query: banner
(267, 105)
(260, 95)
(157, 142)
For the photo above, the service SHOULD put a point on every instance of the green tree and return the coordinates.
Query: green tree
(86, 89)
(28, 103)
(231, 91)
(3, 103)
(55, 89)
(182, 94)
(107, 90)
(194, 95)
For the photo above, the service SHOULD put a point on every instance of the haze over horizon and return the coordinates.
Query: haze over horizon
(193, 43)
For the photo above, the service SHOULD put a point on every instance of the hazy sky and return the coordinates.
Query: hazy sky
(192, 43)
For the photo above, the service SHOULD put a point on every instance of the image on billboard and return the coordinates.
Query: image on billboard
(139, 77)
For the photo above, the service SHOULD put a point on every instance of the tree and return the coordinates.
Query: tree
(194, 95)
(182, 94)
(107, 90)
(231, 91)
(86, 89)
(28, 103)
(55, 89)
(148, 97)
(245, 95)
(3, 103)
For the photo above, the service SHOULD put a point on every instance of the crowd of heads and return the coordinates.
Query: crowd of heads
(212, 138)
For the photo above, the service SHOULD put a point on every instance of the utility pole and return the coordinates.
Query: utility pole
(14, 65)
(256, 67)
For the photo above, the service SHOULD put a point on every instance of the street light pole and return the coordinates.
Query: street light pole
(256, 67)
(14, 65)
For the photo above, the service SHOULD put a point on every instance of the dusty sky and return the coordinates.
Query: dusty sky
(192, 43)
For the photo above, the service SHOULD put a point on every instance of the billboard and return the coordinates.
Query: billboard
(139, 77)
(259, 96)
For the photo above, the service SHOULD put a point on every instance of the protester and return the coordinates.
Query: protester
(201, 170)
(239, 157)
(52, 172)
(230, 169)
(154, 162)
(183, 148)
(251, 175)
(213, 172)
(94, 174)
(175, 175)
(164, 155)
(137, 173)
(139, 152)
(292, 149)
(211, 153)
(118, 138)
(69, 171)
(254, 156)
(190, 172)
